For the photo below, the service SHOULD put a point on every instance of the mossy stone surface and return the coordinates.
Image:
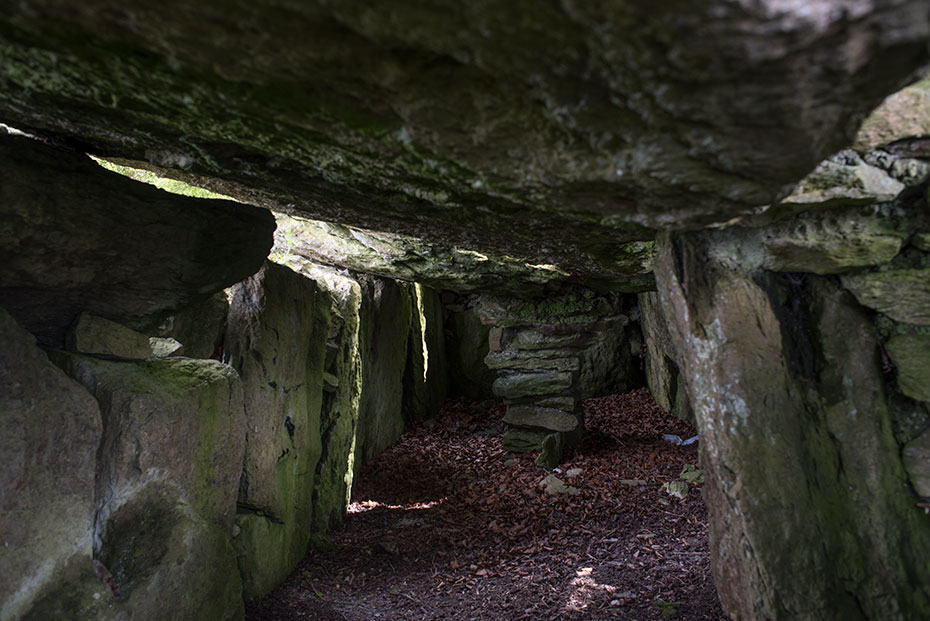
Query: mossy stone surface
(276, 338)
(339, 412)
(911, 356)
(552, 419)
(523, 440)
(916, 455)
(167, 479)
(783, 392)
(520, 385)
(533, 360)
(584, 126)
(902, 294)
(662, 371)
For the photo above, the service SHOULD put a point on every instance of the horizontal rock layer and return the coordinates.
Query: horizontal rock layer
(78, 238)
(493, 127)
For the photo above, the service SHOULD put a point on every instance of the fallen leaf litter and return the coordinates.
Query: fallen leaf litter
(446, 525)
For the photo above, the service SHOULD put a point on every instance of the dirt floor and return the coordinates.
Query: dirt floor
(446, 525)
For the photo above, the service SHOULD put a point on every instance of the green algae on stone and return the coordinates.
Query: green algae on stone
(172, 452)
(515, 386)
(902, 294)
(552, 419)
(916, 457)
(276, 338)
(911, 357)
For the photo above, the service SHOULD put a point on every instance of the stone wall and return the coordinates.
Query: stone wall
(807, 393)
(426, 378)
(385, 318)
(551, 353)
(158, 469)
(658, 356)
(52, 429)
(277, 330)
(166, 478)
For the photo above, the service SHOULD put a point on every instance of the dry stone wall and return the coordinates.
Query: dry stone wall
(549, 354)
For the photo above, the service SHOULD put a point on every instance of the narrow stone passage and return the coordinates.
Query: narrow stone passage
(447, 525)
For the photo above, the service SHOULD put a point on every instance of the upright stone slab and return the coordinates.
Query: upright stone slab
(51, 432)
(902, 294)
(550, 353)
(276, 339)
(167, 477)
(911, 356)
(662, 374)
(341, 391)
(426, 376)
(810, 513)
(384, 323)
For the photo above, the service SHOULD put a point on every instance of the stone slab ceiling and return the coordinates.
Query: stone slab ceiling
(556, 131)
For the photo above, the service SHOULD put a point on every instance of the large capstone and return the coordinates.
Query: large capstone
(51, 432)
(276, 338)
(489, 129)
(78, 238)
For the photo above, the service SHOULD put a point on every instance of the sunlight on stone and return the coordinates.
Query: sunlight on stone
(368, 505)
(423, 340)
(163, 183)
